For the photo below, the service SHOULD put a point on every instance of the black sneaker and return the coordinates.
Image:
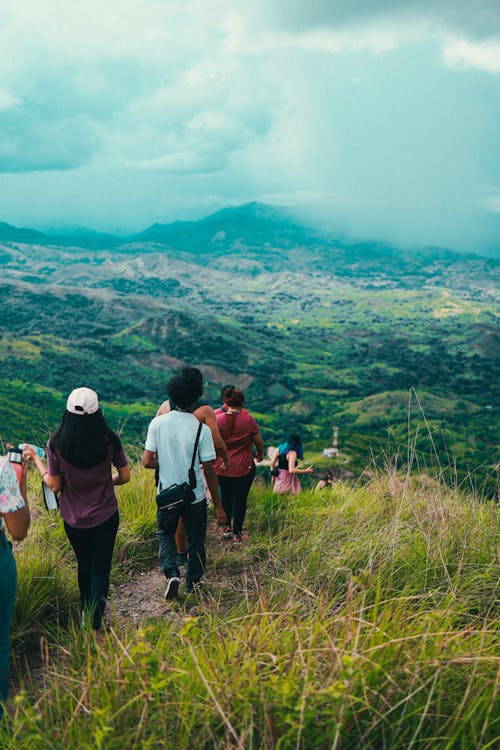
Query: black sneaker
(172, 587)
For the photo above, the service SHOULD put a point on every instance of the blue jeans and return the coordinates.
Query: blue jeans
(8, 580)
(195, 522)
(94, 553)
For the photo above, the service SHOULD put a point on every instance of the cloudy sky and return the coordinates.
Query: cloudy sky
(377, 117)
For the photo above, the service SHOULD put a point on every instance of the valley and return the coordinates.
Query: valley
(398, 349)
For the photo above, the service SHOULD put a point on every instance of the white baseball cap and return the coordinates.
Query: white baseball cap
(82, 401)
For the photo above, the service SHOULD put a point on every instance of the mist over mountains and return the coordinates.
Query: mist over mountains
(254, 224)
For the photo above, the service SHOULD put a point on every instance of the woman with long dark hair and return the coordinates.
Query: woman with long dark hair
(285, 460)
(240, 433)
(81, 454)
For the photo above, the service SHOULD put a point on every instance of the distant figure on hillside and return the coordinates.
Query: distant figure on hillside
(80, 456)
(169, 447)
(15, 515)
(241, 433)
(327, 480)
(285, 461)
(203, 413)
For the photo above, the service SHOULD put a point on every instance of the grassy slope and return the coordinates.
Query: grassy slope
(361, 617)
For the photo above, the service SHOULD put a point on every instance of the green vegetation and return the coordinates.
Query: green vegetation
(357, 617)
(315, 331)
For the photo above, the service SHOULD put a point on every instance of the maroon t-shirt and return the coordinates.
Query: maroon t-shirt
(88, 495)
(236, 431)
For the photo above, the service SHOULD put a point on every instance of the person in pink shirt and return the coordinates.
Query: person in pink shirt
(241, 434)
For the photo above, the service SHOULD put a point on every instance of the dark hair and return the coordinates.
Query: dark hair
(225, 387)
(292, 443)
(193, 374)
(234, 397)
(185, 388)
(84, 439)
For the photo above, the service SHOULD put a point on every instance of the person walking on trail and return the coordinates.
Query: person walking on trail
(203, 413)
(241, 434)
(169, 447)
(81, 455)
(284, 461)
(15, 519)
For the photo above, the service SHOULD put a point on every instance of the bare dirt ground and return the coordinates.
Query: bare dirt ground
(141, 599)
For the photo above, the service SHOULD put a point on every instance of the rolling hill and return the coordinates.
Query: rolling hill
(316, 329)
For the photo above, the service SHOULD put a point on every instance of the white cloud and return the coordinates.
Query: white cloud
(183, 163)
(465, 54)
(211, 101)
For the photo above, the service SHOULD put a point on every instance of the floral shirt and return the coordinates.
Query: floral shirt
(10, 494)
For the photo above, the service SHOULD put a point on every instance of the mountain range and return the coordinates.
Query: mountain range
(315, 328)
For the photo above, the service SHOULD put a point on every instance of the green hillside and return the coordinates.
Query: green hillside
(316, 331)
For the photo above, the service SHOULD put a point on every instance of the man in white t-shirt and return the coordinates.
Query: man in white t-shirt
(169, 446)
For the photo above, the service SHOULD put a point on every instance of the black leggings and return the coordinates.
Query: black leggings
(233, 494)
(94, 552)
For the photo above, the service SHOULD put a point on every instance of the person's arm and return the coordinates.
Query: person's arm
(207, 415)
(292, 465)
(164, 408)
(274, 459)
(122, 475)
(213, 486)
(53, 481)
(18, 521)
(150, 457)
(259, 445)
(150, 460)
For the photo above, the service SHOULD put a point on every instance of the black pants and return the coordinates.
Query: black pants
(233, 494)
(195, 522)
(94, 552)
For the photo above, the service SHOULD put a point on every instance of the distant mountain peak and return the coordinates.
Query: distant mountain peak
(253, 209)
(9, 233)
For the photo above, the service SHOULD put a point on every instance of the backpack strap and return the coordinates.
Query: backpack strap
(192, 475)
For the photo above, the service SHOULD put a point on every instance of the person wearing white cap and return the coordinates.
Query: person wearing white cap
(81, 454)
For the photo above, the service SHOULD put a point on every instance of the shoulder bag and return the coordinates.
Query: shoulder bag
(180, 496)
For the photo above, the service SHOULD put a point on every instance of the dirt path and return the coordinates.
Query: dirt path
(141, 599)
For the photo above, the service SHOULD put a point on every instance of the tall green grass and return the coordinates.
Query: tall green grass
(359, 617)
